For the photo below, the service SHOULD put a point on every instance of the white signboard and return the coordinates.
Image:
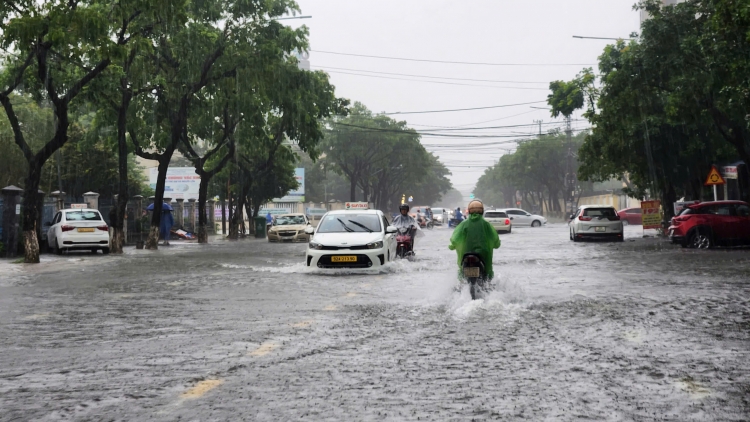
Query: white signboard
(79, 206)
(181, 183)
(729, 172)
(274, 211)
(297, 195)
(315, 211)
(356, 206)
(18, 209)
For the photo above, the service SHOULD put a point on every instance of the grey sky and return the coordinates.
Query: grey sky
(491, 31)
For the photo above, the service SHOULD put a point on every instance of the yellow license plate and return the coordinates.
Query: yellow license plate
(471, 272)
(600, 229)
(343, 259)
(85, 230)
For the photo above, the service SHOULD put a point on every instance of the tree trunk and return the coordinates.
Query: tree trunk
(202, 196)
(118, 224)
(352, 188)
(31, 213)
(153, 233)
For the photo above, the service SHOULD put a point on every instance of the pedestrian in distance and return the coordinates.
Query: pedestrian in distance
(165, 228)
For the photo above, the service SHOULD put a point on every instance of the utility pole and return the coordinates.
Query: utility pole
(540, 127)
(569, 178)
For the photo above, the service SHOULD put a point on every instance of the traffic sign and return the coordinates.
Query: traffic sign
(714, 177)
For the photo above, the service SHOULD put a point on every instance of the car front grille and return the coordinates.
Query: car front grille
(351, 248)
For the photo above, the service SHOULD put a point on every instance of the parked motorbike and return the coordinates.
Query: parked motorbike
(473, 271)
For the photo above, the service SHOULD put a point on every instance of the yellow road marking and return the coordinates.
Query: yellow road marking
(693, 388)
(265, 349)
(37, 316)
(351, 294)
(201, 388)
(303, 324)
(330, 308)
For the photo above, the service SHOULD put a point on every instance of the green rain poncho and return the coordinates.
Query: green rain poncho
(476, 235)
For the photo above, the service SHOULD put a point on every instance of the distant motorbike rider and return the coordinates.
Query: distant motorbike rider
(475, 235)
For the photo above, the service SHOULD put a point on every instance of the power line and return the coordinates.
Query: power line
(450, 62)
(437, 82)
(428, 76)
(463, 109)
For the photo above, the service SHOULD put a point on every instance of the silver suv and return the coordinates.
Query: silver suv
(499, 220)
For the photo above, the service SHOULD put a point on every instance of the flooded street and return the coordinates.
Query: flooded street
(640, 330)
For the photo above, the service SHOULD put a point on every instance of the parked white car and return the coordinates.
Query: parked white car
(78, 229)
(499, 220)
(351, 239)
(595, 222)
(520, 217)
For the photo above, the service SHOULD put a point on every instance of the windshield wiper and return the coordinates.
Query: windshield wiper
(347, 228)
(361, 225)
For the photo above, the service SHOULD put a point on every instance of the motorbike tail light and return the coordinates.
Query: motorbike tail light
(507, 221)
(103, 228)
(582, 218)
(67, 228)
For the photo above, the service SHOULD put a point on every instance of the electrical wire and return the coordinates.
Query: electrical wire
(428, 76)
(449, 61)
(436, 82)
(462, 109)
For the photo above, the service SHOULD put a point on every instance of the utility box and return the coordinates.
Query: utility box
(260, 227)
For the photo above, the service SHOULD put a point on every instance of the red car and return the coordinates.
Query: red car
(630, 216)
(709, 224)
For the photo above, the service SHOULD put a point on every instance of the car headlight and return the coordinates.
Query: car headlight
(318, 246)
(375, 245)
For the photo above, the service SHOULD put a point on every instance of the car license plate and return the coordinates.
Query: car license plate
(343, 259)
(86, 230)
(600, 229)
(471, 272)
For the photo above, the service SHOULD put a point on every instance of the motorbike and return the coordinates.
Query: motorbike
(405, 242)
(473, 271)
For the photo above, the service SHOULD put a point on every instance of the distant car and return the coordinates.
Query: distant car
(630, 216)
(289, 228)
(77, 229)
(440, 216)
(520, 217)
(708, 224)
(351, 239)
(596, 222)
(499, 221)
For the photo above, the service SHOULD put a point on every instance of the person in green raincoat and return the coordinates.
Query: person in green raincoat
(476, 235)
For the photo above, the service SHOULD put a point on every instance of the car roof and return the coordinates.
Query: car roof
(339, 212)
(296, 214)
(79, 209)
(594, 206)
(703, 204)
(495, 210)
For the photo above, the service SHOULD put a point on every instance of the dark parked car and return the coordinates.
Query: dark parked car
(630, 216)
(709, 224)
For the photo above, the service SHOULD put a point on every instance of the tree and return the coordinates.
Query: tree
(58, 48)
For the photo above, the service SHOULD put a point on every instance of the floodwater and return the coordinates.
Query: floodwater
(640, 330)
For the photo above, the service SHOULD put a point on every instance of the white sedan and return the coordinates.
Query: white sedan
(351, 239)
(78, 229)
(520, 217)
(595, 222)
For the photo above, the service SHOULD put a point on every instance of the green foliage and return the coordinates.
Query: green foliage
(383, 159)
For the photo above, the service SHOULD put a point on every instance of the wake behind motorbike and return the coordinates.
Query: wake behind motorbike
(473, 271)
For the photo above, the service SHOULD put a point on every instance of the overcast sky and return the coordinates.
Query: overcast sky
(519, 32)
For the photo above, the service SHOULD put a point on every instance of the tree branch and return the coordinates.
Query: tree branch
(17, 133)
(139, 150)
(19, 76)
(76, 89)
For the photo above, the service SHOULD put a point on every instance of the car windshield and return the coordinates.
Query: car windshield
(83, 216)
(437, 210)
(599, 212)
(288, 220)
(339, 223)
(495, 214)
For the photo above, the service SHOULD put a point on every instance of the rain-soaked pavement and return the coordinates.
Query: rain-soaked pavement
(639, 331)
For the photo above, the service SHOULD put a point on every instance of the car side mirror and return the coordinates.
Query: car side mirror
(391, 229)
(310, 230)
(511, 218)
(571, 217)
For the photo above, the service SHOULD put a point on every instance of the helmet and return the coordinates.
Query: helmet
(476, 207)
(404, 207)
